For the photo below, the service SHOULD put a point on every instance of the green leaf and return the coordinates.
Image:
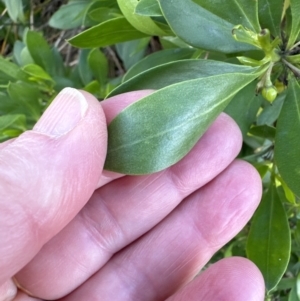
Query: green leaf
(103, 14)
(271, 112)
(8, 68)
(269, 241)
(175, 72)
(141, 23)
(263, 131)
(18, 47)
(132, 51)
(287, 142)
(85, 72)
(107, 33)
(27, 96)
(244, 107)
(201, 28)
(270, 12)
(25, 57)
(236, 12)
(100, 11)
(15, 10)
(69, 16)
(295, 30)
(17, 121)
(99, 66)
(12, 126)
(59, 65)
(40, 51)
(293, 294)
(148, 8)
(94, 88)
(158, 58)
(287, 195)
(8, 106)
(160, 129)
(37, 73)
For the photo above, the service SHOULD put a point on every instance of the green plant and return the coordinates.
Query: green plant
(237, 56)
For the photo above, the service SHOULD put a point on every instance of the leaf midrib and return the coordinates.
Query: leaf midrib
(175, 127)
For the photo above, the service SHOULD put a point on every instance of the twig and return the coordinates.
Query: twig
(3, 13)
(294, 69)
(115, 60)
(31, 20)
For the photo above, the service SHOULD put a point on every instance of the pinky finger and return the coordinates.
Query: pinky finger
(233, 279)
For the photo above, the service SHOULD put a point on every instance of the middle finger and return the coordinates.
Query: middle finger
(124, 210)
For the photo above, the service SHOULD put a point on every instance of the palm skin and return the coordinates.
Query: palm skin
(70, 231)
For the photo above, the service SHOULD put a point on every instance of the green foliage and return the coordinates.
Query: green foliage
(269, 240)
(201, 28)
(107, 33)
(202, 57)
(160, 134)
(287, 134)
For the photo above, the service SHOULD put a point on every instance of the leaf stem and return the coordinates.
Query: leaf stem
(294, 69)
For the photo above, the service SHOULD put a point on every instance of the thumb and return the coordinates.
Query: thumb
(47, 175)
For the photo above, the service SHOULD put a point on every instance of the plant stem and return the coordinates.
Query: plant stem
(295, 70)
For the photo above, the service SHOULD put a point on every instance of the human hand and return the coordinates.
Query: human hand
(135, 237)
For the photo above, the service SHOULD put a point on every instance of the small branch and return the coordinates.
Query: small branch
(296, 45)
(31, 20)
(294, 69)
(3, 13)
(68, 55)
(115, 60)
(59, 39)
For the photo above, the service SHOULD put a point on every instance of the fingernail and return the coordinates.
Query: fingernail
(64, 113)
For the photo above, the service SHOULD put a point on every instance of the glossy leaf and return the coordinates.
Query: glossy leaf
(295, 30)
(141, 23)
(158, 58)
(40, 51)
(287, 142)
(175, 72)
(270, 12)
(107, 33)
(200, 27)
(269, 241)
(244, 107)
(236, 12)
(160, 129)
(69, 16)
(148, 8)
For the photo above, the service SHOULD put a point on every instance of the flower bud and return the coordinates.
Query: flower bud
(269, 93)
